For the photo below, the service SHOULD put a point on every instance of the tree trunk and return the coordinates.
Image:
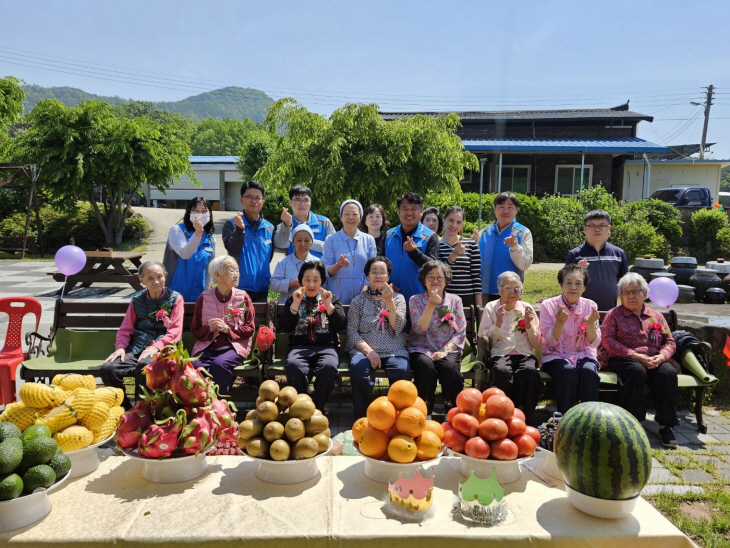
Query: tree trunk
(100, 219)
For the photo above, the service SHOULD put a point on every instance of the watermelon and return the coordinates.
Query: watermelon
(602, 451)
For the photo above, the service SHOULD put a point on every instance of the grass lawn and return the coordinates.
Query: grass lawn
(540, 285)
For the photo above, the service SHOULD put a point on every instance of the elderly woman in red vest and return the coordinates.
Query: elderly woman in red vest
(223, 324)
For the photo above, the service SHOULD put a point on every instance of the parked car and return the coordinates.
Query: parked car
(695, 197)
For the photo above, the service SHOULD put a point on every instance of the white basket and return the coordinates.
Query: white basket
(172, 469)
(287, 472)
(601, 508)
(508, 471)
(86, 460)
(26, 509)
(387, 472)
(550, 465)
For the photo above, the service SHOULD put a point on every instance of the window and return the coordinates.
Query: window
(516, 179)
(567, 179)
(467, 177)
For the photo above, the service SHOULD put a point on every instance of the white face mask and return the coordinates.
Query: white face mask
(204, 218)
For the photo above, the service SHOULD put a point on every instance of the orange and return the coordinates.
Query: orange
(402, 394)
(411, 422)
(381, 414)
(420, 404)
(393, 431)
(402, 449)
(433, 426)
(373, 443)
(358, 428)
(428, 446)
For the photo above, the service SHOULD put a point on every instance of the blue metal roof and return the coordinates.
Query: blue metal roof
(213, 159)
(619, 146)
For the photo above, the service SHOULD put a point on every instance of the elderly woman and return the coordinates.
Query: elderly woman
(637, 345)
(438, 333)
(223, 324)
(375, 337)
(285, 279)
(569, 324)
(153, 320)
(190, 248)
(345, 253)
(513, 329)
(313, 317)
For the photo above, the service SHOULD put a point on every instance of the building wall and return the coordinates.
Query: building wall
(668, 175)
(586, 130)
(185, 189)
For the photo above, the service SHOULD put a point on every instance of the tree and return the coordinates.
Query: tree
(11, 100)
(86, 148)
(221, 137)
(146, 109)
(254, 153)
(356, 154)
(725, 179)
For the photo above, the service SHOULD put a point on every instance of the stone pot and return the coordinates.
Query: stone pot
(686, 294)
(715, 295)
(722, 266)
(644, 266)
(726, 284)
(684, 268)
(702, 280)
(662, 274)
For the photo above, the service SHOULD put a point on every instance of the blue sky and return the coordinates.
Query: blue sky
(401, 55)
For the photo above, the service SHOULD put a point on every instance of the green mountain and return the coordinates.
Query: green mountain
(229, 102)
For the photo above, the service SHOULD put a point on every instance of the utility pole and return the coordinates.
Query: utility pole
(708, 104)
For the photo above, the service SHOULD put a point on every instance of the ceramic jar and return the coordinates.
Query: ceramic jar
(686, 294)
(722, 267)
(715, 295)
(662, 274)
(726, 284)
(684, 268)
(702, 280)
(646, 265)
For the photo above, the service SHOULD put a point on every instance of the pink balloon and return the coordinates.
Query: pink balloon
(663, 291)
(70, 260)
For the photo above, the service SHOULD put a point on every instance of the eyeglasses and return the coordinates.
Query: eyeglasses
(435, 279)
(253, 198)
(511, 289)
(573, 284)
(302, 201)
(596, 227)
(634, 292)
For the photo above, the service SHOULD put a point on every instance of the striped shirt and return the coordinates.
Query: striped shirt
(466, 271)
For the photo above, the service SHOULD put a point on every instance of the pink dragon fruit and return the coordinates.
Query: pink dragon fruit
(188, 385)
(160, 440)
(160, 370)
(225, 410)
(200, 432)
(132, 424)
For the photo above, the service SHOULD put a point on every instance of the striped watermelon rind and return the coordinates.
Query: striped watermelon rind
(603, 451)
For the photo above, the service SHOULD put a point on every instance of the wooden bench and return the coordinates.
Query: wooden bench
(84, 333)
(688, 360)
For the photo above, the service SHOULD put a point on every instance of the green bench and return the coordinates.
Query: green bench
(84, 332)
(693, 375)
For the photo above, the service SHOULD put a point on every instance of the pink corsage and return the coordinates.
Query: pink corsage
(450, 319)
(322, 309)
(163, 316)
(382, 318)
(656, 330)
(581, 333)
(521, 324)
(236, 314)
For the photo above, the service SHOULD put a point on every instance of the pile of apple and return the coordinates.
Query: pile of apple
(486, 425)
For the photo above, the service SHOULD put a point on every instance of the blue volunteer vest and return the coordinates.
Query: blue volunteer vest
(495, 254)
(405, 271)
(253, 262)
(319, 231)
(147, 328)
(191, 274)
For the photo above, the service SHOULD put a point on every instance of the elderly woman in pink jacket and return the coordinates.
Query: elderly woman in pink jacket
(571, 335)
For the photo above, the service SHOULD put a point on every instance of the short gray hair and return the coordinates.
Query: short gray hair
(508, 275)
(633, 278)
(217, 263)
(145, 265)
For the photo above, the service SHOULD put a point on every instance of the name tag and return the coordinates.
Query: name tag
(267, 242)
(208, 250)
(315, 230)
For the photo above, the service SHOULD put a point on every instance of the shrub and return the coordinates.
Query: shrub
(639, 238)
(706, 223)
(597, 197)
(559, 230)
(723, 241)
(663, 216)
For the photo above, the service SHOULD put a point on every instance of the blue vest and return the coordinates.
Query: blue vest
(405, 271)
(148, 328)
(253, 262)
(316, 223)
(191, 275)
(495, 254)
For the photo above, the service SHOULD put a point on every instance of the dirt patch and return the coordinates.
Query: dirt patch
(696, 510)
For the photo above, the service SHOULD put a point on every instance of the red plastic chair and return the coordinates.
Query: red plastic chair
(12, 353)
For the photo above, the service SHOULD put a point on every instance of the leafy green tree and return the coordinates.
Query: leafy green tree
(86, 148)
(356, 154)
(725, 179)
(11, 100)
(184, 128)
(221, 137)
(254, 153)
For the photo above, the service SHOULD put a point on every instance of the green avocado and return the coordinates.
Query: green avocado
(8, 430)
(10, 486)
(38, 451)
(35, 431)
(61, 464)
(38, 476)
(11, 453)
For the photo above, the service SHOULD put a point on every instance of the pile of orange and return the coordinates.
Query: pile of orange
(396, 428)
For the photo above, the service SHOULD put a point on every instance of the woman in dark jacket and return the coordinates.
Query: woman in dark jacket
(313, 317)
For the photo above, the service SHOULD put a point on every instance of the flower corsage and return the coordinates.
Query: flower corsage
(322, 311)
(521, 324)
(449, 318)
(162, 315)
(235, 314)
(382, 320)
(581, 333)
(656, 332)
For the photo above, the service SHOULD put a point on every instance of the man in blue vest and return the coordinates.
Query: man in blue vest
(505, 245)
(300, 202)
(248, 239)
(410, 245)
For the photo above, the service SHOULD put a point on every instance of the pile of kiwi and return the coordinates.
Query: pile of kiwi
(283, 426)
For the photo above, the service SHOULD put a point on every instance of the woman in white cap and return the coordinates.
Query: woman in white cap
(345, 254)
(285, 279)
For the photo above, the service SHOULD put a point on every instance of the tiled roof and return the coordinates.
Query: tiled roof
(619, 146)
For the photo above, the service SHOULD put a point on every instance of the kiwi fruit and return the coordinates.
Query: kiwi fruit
(302, 409)
(326, 432)
(267, 411)
(287, 395)
(294, 430)
(249, 429)
(251, 415)
(316, 424)
(273, 431)
(269, 390)
(323, 441)
(279, 450)
(258, 447)
(304, 397)
(305, 448)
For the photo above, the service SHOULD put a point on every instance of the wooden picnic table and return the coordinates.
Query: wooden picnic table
(106, 269)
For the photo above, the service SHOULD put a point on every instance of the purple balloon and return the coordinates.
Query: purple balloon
(70, 260)
(663, 291)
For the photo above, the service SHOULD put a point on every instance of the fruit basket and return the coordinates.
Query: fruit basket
(508, 471)
(86, 460)
(387, 472)
(287, 472)
(172, 469)
(27, 509)
(601, 508)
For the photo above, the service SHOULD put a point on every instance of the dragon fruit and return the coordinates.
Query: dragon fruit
(200, 432)
(132, 424)
(188, 386)
(225, 410)
(160, 370)
(160, 440)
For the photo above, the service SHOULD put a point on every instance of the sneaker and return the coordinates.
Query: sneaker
(668, 437)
